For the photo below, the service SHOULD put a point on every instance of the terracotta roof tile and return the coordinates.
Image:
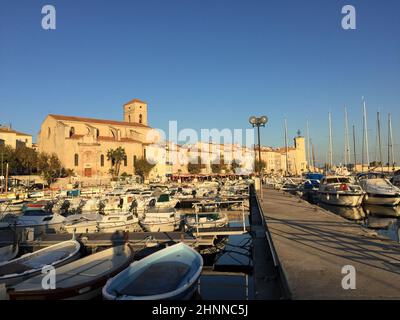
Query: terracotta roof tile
(100, 121)
(134, 100)
(2, 129)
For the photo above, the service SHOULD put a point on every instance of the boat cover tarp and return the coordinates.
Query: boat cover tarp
(158, 278)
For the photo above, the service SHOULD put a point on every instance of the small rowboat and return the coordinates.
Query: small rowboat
(31, 264)
(78, 280)
(171, 273)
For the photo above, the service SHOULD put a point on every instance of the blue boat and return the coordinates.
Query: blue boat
(169, 274)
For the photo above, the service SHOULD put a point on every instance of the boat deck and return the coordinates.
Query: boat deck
(313, 245)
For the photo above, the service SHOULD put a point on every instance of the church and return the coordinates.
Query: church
(82, 143)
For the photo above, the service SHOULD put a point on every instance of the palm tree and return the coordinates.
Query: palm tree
(116, 156)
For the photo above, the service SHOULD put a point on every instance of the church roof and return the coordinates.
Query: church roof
(99, 121)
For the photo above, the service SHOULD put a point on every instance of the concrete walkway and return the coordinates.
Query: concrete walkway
(313, 245)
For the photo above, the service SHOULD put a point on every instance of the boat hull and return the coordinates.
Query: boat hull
(173, 274)
(346, 200)
(159, 226)
(382, 200)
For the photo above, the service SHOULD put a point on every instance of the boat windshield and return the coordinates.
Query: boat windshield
(338, 180)
(36, 213)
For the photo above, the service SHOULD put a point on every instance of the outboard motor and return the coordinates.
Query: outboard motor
(152, 203)
(133, 206)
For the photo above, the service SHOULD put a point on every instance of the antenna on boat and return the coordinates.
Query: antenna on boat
(365, 135)
(287, 148)
(330, 141)
(354, 148)
(346, 139)
(313, 155)
(379, 139)
(308, 146)
(390, 142)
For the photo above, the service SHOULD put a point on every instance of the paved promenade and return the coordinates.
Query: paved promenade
(313, 245)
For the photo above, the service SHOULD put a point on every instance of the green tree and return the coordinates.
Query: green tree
(50, 167)
(143, 167)
(27, 159)
(194, 167)
(219, 166)
(116, 156)
(259, 166)
(235, 165)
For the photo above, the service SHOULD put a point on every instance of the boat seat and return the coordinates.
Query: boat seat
(158, 278)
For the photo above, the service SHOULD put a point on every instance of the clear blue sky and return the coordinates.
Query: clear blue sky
(204, 63)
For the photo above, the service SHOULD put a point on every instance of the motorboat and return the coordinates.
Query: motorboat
(168, 274)
(165, 201)
(40, 220)
(340, 191)
(112, 222)
(160, 220)
(82, 279)
(379, 190)
(206, 215)
(309, 190)
(382, 211)
(31, 264)
(12, 206)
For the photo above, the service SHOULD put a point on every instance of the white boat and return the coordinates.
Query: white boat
(8, 253)
(31, 264)
(12, 206)
(160, 220)
(379, 190)
(109, 223)
(38, 219)
(171, 273)
(339, 191)
(165, 201)
(206, 220)
(82, 279)
(206, 215)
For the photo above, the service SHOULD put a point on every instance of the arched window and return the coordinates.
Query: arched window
(125, 161)
(134, 160)
(140, 118)
(76, 160)
(102, 160)
(97, 133)
(48, 132)
(71, 132)
(129, 118)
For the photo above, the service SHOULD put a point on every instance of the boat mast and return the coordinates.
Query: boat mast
(379, 139)
(308, 146)
(346, 139)
(330, 142)
(354, 148)
(366, 134)
(313, 156)
(390, 143)
(287, 148)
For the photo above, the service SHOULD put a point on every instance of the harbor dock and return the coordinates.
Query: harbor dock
(313, 245)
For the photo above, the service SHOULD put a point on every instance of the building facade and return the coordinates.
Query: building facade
(12, 138)
(82, 143)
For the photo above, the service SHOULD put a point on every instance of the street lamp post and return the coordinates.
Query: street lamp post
(259, 122)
